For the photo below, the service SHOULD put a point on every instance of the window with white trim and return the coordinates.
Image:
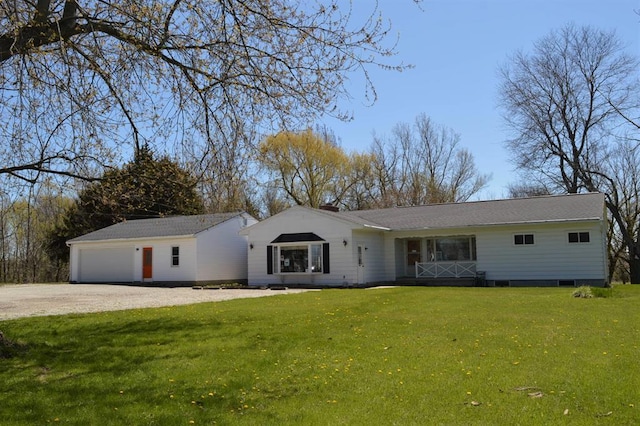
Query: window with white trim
(523, 239)
(175, 256)
(579, 237)
(451, 249)
(298, 258)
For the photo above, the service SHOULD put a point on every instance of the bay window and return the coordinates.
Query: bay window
(298, 258)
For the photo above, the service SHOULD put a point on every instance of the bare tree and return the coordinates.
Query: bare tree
(373, 177)
(275, 199)
(362, 191)
(423, 163)
(527, 189)
(24, 225)
(226, 170)
(623, 189)
(565, 103)
(82, 79)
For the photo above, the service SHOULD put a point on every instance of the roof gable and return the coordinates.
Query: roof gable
(173, 226)
(353, 222)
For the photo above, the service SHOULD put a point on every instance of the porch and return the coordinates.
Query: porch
(446, 269)
(437, 260)
(450, 274)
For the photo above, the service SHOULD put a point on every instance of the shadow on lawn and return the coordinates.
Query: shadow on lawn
(74, 362)
(9, 348)
(106, 343)
(79, 364)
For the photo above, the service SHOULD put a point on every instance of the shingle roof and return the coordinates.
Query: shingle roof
(350, 216)
(159, 227)
(556, 208)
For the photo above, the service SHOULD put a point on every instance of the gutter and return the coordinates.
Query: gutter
(381, 228)
(484, 225)
(122, 240)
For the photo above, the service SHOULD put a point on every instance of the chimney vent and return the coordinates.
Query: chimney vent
(329, 207)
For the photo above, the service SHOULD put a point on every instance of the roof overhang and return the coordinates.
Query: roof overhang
(128, 240)
(377, 228)
(499, 224)
(297, 237)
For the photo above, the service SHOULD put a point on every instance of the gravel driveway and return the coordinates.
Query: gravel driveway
(27, 300)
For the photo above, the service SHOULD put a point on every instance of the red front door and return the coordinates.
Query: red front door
(147, 263)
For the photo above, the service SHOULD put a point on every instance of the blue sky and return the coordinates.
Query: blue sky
(457, 47)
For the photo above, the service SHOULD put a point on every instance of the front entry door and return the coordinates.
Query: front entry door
(147, 263)
(361, 270)
(414, 255)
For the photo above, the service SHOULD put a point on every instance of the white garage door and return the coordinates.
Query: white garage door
(107, 265)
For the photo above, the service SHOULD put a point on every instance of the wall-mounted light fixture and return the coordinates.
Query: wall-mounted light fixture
(344, 242)
(251, 246)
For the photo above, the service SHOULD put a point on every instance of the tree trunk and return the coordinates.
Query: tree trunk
(634, 263)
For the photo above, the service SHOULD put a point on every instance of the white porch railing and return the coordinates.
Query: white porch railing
(446, 270)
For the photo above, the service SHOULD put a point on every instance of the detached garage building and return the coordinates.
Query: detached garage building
(170, 251)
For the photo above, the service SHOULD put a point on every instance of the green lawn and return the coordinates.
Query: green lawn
(402, 356)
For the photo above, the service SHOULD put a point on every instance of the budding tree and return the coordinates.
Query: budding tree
(79, 78)
(309, 169)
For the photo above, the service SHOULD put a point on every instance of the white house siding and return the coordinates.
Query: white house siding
(374, 254)
(163, 271)
(551, 257)
(222, 253)
(299, 220)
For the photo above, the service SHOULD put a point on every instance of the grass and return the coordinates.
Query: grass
(471, 356)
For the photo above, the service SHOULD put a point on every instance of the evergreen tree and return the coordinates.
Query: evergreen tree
(145, 188)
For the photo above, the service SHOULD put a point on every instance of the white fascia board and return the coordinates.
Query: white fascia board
(125, 240)
(379, 228)
(484, 225)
